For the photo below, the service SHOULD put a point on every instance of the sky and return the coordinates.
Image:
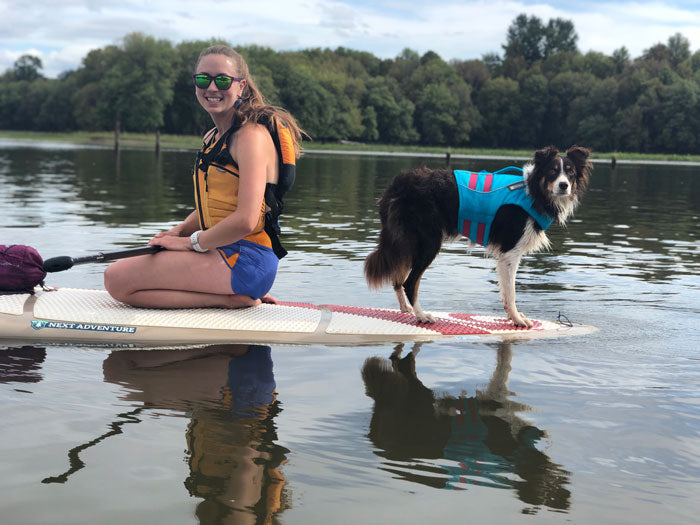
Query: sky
(62, 32)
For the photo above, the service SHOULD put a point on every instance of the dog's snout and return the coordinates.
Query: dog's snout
(563, 185)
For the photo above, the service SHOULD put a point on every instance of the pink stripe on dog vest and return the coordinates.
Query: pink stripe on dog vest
(480, 229)
(466, 226)
(488, 179)
(473, 178)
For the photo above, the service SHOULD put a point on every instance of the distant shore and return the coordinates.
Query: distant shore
(105, 139)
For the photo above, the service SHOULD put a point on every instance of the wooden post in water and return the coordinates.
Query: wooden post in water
(157, 142)
(448, 156)
(116, 134)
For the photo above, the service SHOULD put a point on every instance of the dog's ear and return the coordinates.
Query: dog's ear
(545, 155)
(579, 156)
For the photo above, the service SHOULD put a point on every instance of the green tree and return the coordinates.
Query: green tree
(370, 132)
(498, 104)
(590, 116)
(451, 120)
(559, 35)
(678, 49)
(629, 131)
(525, 39)
(563, 90)
(533, 100)
(621, 58)
(529, 38)
(435, 114)
(28, 67)
(599, 65)
(137, 88)
(474, 72)
(310, 103)
(12, 95)
(680, 124)
(394, 112)
(56, 111)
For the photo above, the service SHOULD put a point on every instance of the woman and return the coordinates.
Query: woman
(225, 253)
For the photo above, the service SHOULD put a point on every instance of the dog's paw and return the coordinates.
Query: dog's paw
(520, 320)
(424, 317)
(406, 308)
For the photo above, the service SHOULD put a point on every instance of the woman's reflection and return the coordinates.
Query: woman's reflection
(229, 393)
(475, 440)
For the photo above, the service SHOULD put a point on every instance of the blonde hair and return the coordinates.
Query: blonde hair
(253, 106)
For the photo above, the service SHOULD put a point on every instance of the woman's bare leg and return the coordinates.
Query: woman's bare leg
(174, 279)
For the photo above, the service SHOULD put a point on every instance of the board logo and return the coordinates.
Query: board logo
(89, 327)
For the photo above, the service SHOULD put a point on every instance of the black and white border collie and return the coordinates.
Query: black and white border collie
(419, 211)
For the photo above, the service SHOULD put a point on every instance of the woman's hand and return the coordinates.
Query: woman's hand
(184, 229)
(175, 231)
(171, 242)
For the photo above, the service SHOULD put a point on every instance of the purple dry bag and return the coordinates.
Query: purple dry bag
(20, 268)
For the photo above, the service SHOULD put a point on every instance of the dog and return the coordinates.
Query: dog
(422, 208)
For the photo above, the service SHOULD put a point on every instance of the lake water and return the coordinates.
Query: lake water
(603, 428)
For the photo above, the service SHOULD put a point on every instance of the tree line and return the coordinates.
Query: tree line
(540, 90)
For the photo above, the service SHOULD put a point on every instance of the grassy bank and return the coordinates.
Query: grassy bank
(148, 141)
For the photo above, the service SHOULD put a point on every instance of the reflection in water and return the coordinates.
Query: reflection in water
(228, 391)
(476, 440)
(21, 365)
(74, 460)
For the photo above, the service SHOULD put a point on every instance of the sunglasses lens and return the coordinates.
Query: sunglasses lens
(202, 81)
(223, 82)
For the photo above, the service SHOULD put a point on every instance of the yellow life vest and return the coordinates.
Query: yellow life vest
(216, 181)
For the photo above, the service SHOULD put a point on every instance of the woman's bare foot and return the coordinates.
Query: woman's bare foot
(241, 301)
(269, 299)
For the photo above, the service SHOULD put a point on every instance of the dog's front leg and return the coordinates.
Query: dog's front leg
(507, 267)
(405, 306)
(421, 315)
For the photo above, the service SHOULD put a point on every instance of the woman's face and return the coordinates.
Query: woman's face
(214, 100)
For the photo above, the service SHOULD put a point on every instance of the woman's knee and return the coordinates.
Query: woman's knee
(114, 281)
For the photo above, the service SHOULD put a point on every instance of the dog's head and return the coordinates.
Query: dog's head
(556, 182)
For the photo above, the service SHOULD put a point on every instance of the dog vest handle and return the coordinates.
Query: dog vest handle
(503, 171)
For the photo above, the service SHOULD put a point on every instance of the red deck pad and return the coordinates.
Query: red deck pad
(442, 325)
(499, 323)
(466, 324)
(299, 305)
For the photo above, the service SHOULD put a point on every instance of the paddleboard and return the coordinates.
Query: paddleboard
(93, 316)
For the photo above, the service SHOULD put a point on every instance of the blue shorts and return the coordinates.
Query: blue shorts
(253, 267)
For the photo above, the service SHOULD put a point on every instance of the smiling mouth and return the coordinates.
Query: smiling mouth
(213, 99)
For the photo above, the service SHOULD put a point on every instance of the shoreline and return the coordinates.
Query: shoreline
(142, 141)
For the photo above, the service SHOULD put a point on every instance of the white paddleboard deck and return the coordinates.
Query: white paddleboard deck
(92, 316)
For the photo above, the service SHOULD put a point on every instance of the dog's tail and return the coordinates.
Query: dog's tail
(385, 266)
(377, 268)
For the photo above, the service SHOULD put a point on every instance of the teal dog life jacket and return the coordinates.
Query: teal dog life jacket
(482, 194)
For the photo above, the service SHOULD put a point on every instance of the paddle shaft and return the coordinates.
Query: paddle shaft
(58, 264)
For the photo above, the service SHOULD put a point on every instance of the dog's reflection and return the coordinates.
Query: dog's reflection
(477, 439)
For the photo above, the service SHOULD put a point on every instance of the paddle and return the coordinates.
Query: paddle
(64, 262)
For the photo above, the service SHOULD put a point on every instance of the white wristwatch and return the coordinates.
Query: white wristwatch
(194, 241)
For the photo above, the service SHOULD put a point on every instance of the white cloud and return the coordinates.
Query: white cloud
(62, 33)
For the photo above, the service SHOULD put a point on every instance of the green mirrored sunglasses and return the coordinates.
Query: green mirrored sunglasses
(223, 82)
